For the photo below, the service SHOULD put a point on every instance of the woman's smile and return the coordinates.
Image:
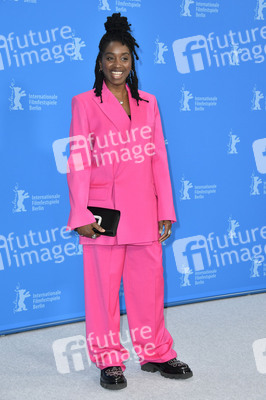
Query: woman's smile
(117, 74)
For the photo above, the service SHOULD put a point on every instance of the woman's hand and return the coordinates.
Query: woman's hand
(86, 230)
(167, 227)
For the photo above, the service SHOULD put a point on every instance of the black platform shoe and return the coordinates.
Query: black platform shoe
(174, 369)
(113, 378)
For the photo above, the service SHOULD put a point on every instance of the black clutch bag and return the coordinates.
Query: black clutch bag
(107, 218)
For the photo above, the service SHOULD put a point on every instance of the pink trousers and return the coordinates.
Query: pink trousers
(142, 270)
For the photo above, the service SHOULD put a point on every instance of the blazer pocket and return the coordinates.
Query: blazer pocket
(98, 193)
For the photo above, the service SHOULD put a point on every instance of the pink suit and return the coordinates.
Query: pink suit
(120, 163)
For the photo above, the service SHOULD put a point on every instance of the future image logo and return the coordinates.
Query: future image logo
(71, 354)
(259, 150)
(35, 247)
(259, 351)
(202, 256)
(93, 149)
(191, 54)
(80, 155)
(28, 49)
(191, 252)
(197, 53)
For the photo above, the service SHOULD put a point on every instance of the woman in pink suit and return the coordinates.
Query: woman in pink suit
(118, 131)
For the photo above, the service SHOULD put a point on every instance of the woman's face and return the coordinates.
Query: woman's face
(116, 63)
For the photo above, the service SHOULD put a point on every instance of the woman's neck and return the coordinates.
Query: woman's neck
(118, 90)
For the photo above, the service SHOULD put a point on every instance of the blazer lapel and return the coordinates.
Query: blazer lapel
(114, 110)
(118, 116)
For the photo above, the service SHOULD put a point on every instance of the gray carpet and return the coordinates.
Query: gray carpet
(215, 338)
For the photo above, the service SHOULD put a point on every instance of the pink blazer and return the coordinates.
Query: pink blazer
(118, 163)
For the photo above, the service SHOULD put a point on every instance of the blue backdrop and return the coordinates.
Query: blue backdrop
(205, 62)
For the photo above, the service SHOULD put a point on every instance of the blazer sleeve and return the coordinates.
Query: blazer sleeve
(161, 173)
(79, 167)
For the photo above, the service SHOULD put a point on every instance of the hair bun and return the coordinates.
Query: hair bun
(116, 23)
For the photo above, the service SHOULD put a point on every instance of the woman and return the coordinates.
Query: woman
(117, 128)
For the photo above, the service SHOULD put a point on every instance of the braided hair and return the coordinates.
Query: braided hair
(118, 29)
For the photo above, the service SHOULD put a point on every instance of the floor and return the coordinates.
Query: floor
(216, 338)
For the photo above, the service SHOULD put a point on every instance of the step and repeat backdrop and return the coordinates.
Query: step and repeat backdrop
(205, 63)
